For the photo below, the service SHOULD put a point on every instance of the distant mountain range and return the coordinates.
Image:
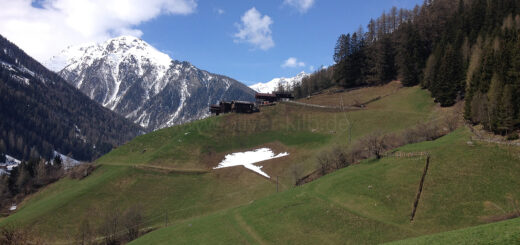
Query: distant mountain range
(129, 76)
(274, 84)
(41, 113)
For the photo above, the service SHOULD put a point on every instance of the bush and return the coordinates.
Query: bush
(132, 221)
(85, 234)
(110, 227)
(377, 143)
(512, 136)
(329, 161)
(12, 235)
(81, 171)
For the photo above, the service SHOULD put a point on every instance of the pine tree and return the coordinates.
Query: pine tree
(450, 78)
(3, 151)
(385, 61)
(507, 112)
(410, 61)
(342, 49)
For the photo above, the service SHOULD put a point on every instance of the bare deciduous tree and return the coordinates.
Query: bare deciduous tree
(375, 144)
(110, 227)
(13, 235)
(85, 234)
(132, 221)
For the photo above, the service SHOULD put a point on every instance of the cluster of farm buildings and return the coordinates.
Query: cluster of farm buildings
(262, 99)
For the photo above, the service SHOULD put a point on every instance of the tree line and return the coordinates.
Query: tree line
(27, 178)
(41, 113)
(458, 50)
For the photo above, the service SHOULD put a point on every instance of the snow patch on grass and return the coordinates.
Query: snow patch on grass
(247, 159)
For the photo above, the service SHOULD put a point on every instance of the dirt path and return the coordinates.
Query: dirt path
(248, 229)
(172, 170)
(348, 108)
(360, 215)
(486, 138)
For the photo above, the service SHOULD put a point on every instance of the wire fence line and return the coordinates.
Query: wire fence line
(399, 154)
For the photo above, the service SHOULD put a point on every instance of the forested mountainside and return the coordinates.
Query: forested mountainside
(40, 113)
(132, 78)
(458, 50)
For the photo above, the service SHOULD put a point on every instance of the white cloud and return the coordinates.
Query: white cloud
(300, 5)
(220, 11)
(255, 29)
(292, 63)
(44, 31)
(311, 68)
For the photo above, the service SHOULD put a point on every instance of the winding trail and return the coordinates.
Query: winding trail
(248, 229)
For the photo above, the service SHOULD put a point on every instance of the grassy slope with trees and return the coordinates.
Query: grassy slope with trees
(458, 50)
(164, 171)
(369, 203)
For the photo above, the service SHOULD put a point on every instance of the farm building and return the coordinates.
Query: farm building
(214, 109)
(284, 96)
(225, 107)
(233, 106)
(264, 98)
(243, 107)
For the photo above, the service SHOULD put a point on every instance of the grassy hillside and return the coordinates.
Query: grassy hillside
(371, 202)
(169, 172)
(505, 232)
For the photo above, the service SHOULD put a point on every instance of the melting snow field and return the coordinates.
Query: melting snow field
(247, 159)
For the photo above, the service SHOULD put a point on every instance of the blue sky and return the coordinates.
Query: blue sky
(206, 37)
(248, 40)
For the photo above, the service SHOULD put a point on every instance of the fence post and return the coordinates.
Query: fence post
(277, 183)
(419, 191)
(166, 219)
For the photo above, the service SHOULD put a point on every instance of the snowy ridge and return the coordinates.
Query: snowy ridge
(67, 161)
(273, 85)
(114, 52)
(129, 76)
(9, 164)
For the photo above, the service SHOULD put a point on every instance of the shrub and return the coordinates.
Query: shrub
(376, 144)
(12, 235)
(132, 221)
(110, 227)
(512, 136)
(81, 171)
(329, 161)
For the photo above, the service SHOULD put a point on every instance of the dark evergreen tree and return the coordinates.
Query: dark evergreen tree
(411, 56)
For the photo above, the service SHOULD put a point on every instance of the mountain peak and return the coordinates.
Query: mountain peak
(127, 75)
(126, 38)
(118, 48)
(272, 85)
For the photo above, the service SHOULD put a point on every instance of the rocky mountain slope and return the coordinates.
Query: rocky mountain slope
(41, 113)
(132, 78)
(274, 84)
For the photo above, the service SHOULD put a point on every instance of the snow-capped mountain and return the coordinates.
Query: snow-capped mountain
(132, 78)
(274, 84)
